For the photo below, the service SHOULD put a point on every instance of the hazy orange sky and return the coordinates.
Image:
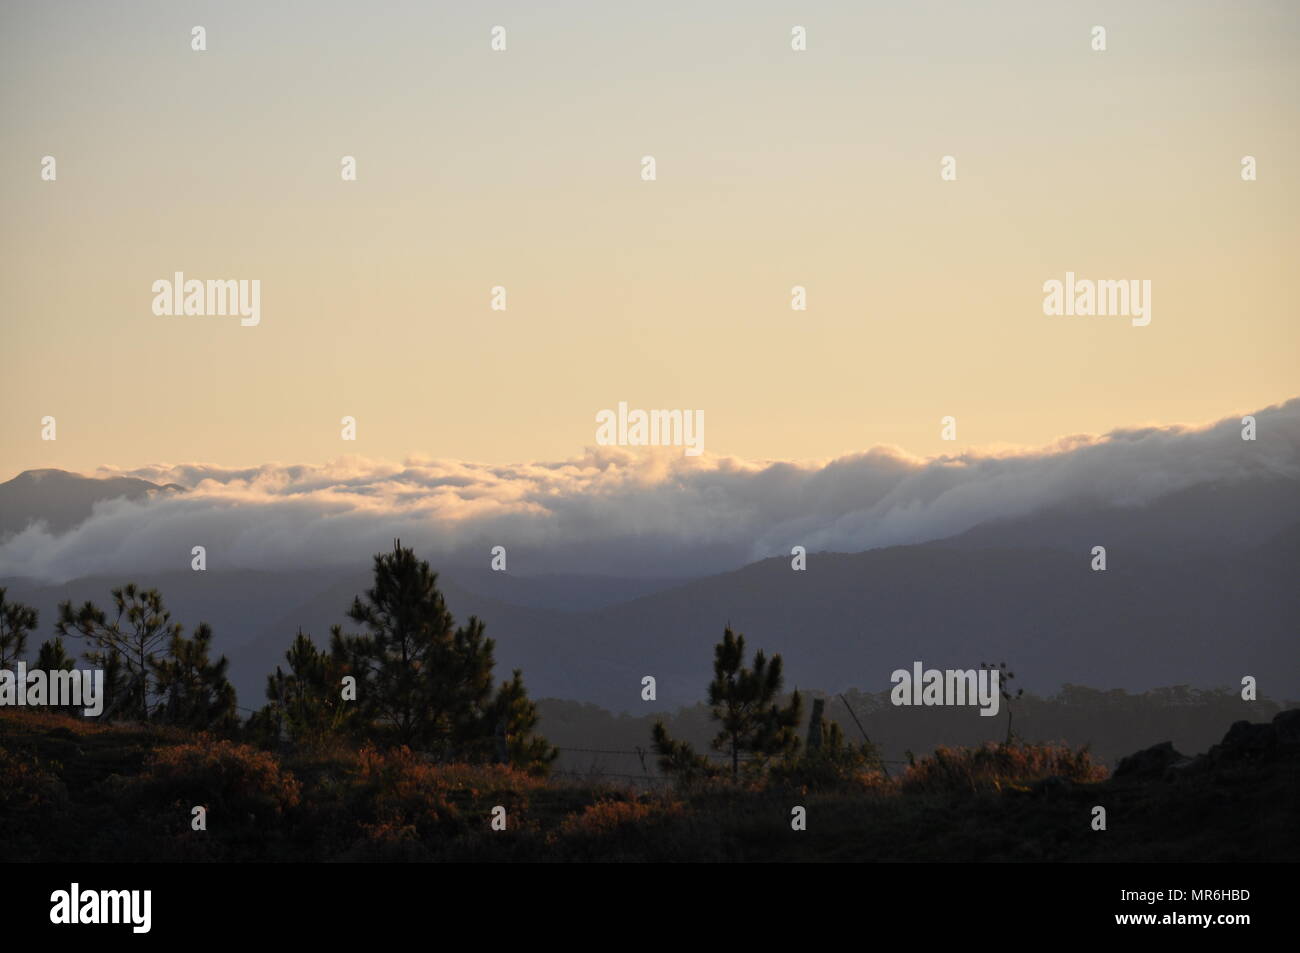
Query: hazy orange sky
(522, 168)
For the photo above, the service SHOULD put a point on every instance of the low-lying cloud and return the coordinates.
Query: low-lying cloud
(618, 511)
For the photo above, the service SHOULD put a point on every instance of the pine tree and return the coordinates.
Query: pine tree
(16, 622)
(193, 690)
(127, 646)
(512, 716)
(426, 682)
(746, 704)
(117, 683)
(828, 760)
(306, 703)
(51, 657)
(678, 759)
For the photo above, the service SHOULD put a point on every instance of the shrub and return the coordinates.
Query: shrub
(833, 765)
(397, 794)
(618, 828)
(994, 767)
(26, 787)
(234, 781)
(608, 816)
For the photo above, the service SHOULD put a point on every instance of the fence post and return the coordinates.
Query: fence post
(815, 725)
(503, 750)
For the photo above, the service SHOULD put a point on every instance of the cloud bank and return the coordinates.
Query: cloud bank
(624, 512)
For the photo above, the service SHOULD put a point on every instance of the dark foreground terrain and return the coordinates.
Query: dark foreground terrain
(75, 791)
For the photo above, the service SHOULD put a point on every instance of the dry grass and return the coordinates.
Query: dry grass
(995, 768)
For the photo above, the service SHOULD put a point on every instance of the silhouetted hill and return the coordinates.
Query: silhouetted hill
(1199, 590)
(62, 500)
(1197, 519)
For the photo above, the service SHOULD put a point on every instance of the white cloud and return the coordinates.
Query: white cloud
(625, 512)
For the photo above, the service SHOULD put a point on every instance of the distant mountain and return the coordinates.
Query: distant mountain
(255, 615)
(566, 592)
(1201, 518)
(1199, 590)
(61, 499)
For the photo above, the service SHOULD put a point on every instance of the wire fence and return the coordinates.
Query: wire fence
(647, 751)
(645, 756)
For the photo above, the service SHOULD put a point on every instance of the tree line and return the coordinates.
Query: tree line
(411, 676)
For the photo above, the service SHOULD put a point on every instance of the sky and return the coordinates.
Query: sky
(522, 168)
